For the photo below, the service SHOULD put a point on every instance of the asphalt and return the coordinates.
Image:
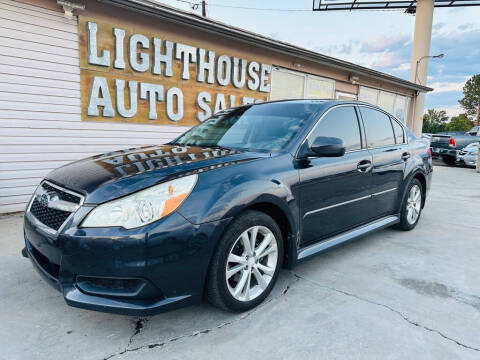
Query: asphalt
(391, 295)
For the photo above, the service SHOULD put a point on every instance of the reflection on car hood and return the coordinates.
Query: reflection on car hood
(112, 175)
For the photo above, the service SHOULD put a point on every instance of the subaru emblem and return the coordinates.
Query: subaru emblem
(47, 197)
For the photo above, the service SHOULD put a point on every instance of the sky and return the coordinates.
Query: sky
(381, 40)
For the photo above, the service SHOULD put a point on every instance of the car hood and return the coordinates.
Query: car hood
(108, 176)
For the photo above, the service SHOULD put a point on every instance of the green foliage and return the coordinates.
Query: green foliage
(471, 97)
(434, 121)
(459, 123)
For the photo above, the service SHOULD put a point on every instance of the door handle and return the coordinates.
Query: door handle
(364, 165)
(405, 156)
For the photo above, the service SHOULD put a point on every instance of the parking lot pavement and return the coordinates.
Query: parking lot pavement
(392, 295)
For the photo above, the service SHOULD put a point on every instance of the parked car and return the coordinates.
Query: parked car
(474, 131)
(468, 156)
(447, 144)
(218, 211)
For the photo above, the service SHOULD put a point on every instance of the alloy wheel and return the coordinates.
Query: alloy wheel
(414, 203)
(251, 263)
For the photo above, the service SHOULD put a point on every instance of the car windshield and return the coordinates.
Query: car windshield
(264, 127)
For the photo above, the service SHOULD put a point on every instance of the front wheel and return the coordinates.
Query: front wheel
(246, 264)
(411, 206)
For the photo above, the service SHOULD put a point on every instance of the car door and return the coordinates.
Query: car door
(386, 141)
(335, 192)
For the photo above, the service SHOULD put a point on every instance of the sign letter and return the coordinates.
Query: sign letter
(93, 58)
(94, 100)
(253, 73)
(169, 105)
(208, 66)
(159, 58)
(203, 98)
(142, 65)
(120, 98)
(239, 81)
(188, 54)
(154, 92)
(265, 70)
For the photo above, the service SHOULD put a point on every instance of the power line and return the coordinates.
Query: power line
(196, 6)
(255, 8)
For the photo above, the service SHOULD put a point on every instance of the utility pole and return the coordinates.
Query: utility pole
(204, 8)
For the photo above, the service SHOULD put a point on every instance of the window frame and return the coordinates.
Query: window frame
(361, 129)
(391, 117)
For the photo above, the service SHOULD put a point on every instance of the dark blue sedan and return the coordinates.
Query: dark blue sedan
(218, 211)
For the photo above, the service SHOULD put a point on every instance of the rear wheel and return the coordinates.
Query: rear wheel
(449, 160)
(412, 206)
(246, 263)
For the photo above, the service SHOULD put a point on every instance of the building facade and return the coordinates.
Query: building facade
(128, 73)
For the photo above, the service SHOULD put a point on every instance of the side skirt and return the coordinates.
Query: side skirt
(348, 236)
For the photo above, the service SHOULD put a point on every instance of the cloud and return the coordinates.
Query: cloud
(452, 110)
(441, 87)
(385, 43)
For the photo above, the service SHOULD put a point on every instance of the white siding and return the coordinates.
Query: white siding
(40, 115)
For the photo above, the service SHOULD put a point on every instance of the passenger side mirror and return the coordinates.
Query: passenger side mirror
(324, 146)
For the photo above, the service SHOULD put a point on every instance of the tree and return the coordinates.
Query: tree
(434, 121)
(471, 97)
(459, 123)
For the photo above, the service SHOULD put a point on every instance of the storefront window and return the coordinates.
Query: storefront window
(386, 101)
(401, 107)
(318, 88)
(395, 104)
(368, 95)
(288, 84)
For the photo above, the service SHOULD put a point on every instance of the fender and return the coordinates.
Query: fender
(407, 180)
(228, 202)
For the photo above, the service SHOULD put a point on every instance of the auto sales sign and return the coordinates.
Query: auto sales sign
(136, 77)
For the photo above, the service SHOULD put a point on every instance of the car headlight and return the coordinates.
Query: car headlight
(143, 207)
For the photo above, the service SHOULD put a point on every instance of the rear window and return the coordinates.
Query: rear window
(378, 128)
(398, 131)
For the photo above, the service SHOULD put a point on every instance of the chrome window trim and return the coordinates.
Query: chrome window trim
(374, 107)
(405, 140)
(41, 225)
(321, 118)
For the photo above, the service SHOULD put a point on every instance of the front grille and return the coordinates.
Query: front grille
(53, 218)
(62, 194)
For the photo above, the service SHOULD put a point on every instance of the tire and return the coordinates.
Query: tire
(405, 220)
(220, 289)
(449, 160)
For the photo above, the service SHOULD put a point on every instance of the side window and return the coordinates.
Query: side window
(341, 123)
(398, 130)
(378, 127)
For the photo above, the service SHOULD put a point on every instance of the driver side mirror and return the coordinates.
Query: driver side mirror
(324, 146)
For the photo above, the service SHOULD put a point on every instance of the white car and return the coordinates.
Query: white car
(468, 155)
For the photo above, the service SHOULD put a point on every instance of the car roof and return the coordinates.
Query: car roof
(325, 103)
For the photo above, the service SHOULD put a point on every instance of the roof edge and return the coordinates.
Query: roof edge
(152, 8)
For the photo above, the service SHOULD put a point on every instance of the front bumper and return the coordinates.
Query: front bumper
(164, 264)
(470, 160)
